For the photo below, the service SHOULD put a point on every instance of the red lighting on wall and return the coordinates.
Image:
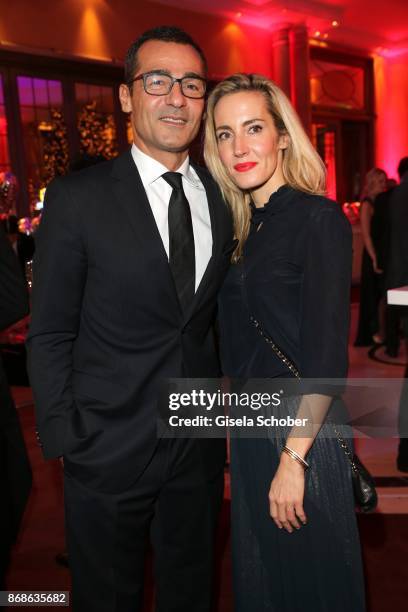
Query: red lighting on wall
(330, 161)
(392, 118)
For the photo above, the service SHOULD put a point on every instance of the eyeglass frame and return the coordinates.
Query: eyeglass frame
(144, 75)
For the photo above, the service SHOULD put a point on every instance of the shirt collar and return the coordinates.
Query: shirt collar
(151, 170)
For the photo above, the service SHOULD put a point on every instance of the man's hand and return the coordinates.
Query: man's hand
(61, 460)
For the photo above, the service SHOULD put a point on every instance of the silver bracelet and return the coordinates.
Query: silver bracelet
(296, 457)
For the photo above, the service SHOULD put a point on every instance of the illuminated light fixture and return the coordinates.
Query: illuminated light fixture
(383, 51)
(325, 35)
(335, 24)
(317, 33)
(238, 15)
(318, 43)
(45, 126)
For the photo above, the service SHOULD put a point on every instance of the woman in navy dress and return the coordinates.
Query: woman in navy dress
(294, 533)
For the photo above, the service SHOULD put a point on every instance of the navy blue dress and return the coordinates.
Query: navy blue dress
(294, 278)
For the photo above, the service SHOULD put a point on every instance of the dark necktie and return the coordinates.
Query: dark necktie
(181, 241)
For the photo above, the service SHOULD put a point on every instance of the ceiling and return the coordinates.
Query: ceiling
(376, 25)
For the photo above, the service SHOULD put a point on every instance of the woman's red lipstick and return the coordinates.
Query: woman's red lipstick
(245, 167)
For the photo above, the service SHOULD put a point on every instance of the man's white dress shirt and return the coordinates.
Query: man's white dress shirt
(159, 192)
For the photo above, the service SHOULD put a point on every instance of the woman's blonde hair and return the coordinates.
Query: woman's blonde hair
(370, 189)
(302, 167)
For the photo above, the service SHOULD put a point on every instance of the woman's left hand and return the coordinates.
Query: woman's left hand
(286, 495)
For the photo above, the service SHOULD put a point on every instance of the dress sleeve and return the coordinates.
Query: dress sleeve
(325, 302)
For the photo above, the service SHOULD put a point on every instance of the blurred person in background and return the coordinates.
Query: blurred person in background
(84, 160)
(15, 471)
(397, 276)
(22, 243)
(371, 323)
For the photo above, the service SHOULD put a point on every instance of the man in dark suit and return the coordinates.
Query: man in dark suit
(398, 277)
(15, 471)
(22, 244)
(130, 256)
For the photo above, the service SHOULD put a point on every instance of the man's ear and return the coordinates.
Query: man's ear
(125, 98)
(284, 141)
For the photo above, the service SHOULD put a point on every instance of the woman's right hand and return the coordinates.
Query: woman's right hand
(286, 495)
(376, 269)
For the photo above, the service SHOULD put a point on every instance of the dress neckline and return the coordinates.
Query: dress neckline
(276, 202)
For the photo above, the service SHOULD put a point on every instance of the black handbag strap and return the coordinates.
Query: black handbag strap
(291, 366)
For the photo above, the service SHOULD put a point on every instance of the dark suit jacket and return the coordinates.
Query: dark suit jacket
(107, 327)
(15, 472)
(398, 262)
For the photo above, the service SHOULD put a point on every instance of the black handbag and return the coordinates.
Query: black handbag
(365, 494)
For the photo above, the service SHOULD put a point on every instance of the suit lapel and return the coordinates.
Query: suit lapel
(132, 199)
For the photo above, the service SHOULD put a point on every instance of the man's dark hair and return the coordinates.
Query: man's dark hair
(402, 167)
(85, 160)
(164, 34)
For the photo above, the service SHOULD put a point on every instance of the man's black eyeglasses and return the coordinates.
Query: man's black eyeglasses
(157, 84)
